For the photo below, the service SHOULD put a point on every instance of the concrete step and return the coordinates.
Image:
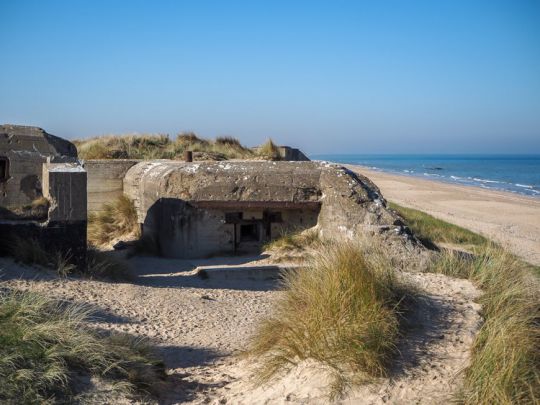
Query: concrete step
(254, 273)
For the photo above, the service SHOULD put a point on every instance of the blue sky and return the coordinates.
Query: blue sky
(334, 76)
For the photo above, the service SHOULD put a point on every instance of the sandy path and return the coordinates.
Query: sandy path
(197, 324)
(510, 219)
(200, 325)
(434, 350)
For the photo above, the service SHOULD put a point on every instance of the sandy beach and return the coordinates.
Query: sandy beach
(509, 219)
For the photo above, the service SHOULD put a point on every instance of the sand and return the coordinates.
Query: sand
(510, 219)
(201, 327)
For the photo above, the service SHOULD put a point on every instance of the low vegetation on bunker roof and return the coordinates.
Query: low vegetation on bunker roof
(156, 146)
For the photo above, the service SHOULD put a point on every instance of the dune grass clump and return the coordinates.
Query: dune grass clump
(505, 361)
(30, 252)
(294, 240)
(44, 344)
(102, 265)
(269, 150)
(116, 220)
(340, 310)
(150, 146)
(432, 230)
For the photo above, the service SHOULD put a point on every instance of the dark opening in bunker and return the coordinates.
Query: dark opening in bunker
(4, 168)
(249, 233)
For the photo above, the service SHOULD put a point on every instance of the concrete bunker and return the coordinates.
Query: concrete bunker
(42, 191)
(208, 208)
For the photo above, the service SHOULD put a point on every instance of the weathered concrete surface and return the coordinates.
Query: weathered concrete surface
(64, 185)
(40, 164)
(184, 206)
(26, 149)
(292, 154)
(240, 181)
(253, 273)
(68, 238)
(106, 180)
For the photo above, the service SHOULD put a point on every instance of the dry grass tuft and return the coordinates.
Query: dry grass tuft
(118, 219)
(505, 365)
(30, 252)
(505, 361)
(269, 150)
(44, 344)
(159, 147)
(228, 140)
(102, 265)
(340, 310)
(294, 240)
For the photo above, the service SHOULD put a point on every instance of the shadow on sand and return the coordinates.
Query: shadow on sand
(179, 273)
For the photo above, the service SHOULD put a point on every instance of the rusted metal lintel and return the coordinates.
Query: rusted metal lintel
(256, 204)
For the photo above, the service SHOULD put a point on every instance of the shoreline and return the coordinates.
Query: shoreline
(451, 175)
(511, 219)
(440, 181)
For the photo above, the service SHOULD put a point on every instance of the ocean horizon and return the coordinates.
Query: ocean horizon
(518, 174)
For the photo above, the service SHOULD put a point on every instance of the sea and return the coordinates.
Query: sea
(518, 174)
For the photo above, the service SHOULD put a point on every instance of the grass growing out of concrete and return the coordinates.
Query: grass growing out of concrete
(44, 344)
(117, 219)
(432, 230)
(151, 146)
(505, 364)
(505, 361)
(340, 310)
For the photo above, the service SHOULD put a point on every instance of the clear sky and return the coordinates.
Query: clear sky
(334, 76)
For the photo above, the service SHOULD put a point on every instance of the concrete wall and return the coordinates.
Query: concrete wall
(64, 185)
(184, 231)
(292, 154)
(64, 230)
(183, 205)
(105, 180)
(26, 149)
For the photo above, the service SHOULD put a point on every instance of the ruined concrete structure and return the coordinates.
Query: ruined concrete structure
(191, 209)
(106, 176)
(39, 170)
(106, 180)
(205, 208)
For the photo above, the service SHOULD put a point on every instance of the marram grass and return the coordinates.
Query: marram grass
(432, 230)
(505, 360)
(340, 310)
(152, 146)
(117, 219)
(45, 343)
